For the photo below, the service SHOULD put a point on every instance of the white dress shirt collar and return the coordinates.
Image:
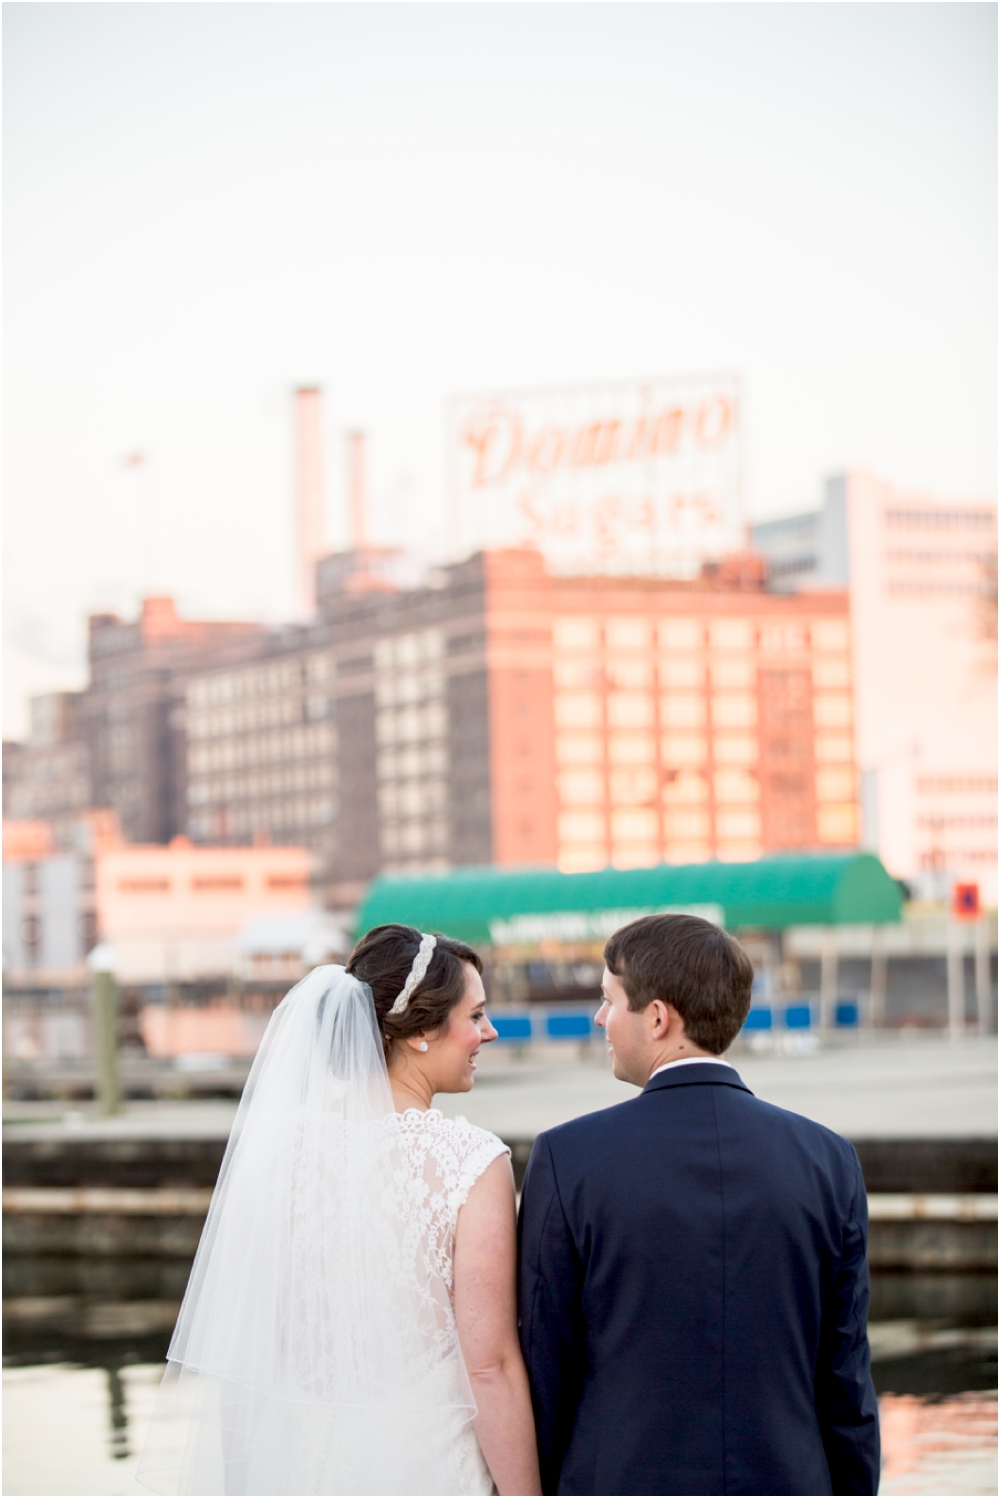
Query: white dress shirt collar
(690, 1061)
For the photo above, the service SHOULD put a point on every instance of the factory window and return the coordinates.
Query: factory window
(581, 826)
(635, 855)
(935, 823)
(736, 785)
(682, 712)
(689, 823)
(782, 639)
(832, 673)
(630, 710)
(459, 644)
(143, 886)
(919, 588)
(629, 673)
(684, 787)
(580, 710)
(632, 749)
(582, 858)
(938, 520)
(389, 838)
(681, 634)
(734, 749)
(977, 558)
(633, 787)
(581, 787)
(734, 710)
(318, 668)
(575, 634)
(579, 749)
(787, 566)
(834, 785)
(732, 673)
(435, 721)
(683, 673)
(834, 749)
(626, 634)
(737, 824)
(578, 673)
(957, 785)
(358, 664)
(837, 824)
(205, 883)
(829, 634)
(831, 712)
(731, 634)
(684, 749)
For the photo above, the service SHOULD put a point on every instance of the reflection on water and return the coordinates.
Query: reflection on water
(71, 1427)
(939, 1445)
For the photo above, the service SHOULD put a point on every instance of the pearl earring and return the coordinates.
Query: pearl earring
(423, 1046)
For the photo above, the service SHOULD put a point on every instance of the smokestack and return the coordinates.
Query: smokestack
(309, 492)
(357, 489)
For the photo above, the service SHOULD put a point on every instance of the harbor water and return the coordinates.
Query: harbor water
(76, 1413)
(102, 1218)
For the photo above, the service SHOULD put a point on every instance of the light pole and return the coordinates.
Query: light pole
(104, 990)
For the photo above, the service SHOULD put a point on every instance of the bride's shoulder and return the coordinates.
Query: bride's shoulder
(465, 1140)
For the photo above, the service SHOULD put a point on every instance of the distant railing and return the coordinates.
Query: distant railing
(803, 1012)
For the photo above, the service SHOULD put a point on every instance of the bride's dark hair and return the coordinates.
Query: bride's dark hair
(383, 959)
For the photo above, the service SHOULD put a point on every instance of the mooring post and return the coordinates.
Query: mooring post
(984, 1004)
(828, 980)
(104, 991)
(956, 980)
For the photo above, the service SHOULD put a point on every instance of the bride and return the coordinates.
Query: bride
(350, 1321)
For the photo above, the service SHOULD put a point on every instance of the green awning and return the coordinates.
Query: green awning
(520, 907)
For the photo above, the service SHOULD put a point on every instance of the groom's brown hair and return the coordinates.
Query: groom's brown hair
(689, 963)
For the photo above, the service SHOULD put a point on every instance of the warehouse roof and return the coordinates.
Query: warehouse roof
(519, 907)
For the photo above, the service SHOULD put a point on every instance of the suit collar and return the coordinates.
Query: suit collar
(695, 1075)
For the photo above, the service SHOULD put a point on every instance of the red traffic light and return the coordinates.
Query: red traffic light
(965, 901)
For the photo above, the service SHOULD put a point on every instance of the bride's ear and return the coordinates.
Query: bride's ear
(417, 1043)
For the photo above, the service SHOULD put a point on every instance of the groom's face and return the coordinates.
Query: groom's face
(628, 1040)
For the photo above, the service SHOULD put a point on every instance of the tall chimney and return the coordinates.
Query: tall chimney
(309, 492)
(357, 489)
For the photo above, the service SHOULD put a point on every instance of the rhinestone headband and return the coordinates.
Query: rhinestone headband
(417, 973)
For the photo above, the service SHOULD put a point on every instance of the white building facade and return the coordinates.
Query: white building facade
(921, 575)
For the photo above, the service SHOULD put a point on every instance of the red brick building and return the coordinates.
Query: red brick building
(634, 719)
(502, 715)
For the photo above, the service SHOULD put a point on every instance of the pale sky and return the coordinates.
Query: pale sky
(207, 204)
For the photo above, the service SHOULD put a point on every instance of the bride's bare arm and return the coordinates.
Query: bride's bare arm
(486, 1312)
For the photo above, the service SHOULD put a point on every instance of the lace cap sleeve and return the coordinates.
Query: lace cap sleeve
(475, 1149)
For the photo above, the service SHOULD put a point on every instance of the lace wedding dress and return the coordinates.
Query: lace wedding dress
(316, 1349)
(446, 1158)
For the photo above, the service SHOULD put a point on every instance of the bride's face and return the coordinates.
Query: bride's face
(453, 1050)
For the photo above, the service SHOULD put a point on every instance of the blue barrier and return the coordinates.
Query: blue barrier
(511, 1027)
(568, 1026)
(522, 1027)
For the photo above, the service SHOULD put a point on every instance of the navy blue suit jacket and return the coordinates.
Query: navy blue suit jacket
(694, 1295)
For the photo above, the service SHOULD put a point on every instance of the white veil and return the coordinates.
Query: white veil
(308, 1357)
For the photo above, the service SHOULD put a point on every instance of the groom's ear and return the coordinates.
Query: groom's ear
(660, 1016)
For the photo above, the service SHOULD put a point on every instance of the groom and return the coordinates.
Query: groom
(694, 1286)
